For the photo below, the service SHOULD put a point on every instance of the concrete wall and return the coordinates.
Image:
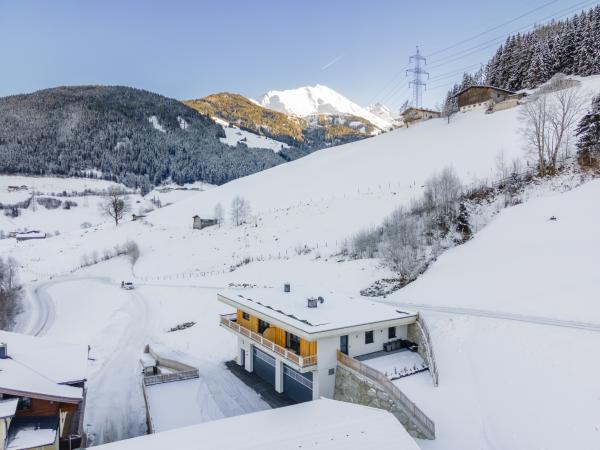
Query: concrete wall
(354, 388)
(357, 346)
(323, 380)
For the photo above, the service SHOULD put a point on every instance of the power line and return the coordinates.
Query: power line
(492, 42)
(493, 28)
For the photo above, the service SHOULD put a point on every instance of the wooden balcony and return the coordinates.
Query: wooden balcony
(228, 321)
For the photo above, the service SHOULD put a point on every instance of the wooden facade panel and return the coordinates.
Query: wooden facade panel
(276, 335)
(42, 408)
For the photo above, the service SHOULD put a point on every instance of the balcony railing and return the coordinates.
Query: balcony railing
(300, 361)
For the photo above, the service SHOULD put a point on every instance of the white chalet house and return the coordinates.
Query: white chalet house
(292, 339)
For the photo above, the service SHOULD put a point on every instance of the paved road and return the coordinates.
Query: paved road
(540, 320)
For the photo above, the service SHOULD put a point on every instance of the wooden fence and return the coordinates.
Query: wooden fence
(167, 377)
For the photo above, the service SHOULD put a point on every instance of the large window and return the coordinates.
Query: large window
(391, 332)
(292, 342)
(368, 337)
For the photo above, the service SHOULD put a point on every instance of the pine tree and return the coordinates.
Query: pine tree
(588, 133)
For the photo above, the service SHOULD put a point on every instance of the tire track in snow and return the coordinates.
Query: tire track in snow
(539, 320)
(116, 376)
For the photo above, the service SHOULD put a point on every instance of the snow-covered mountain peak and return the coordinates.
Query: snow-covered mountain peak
(319, 99)
(382, 111)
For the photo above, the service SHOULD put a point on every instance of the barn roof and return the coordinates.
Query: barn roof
(489, 86)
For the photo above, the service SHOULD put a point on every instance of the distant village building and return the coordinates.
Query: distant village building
(200, 223)
(28, 235)
(412, 115)
(17, 188)
(42, 393)
(486, 97)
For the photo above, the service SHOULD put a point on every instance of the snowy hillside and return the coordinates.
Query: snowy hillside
(318, 99)
(514, 315)
(301, 213)
(234, 135)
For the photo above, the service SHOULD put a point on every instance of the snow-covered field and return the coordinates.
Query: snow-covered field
(234, 135)
(503, 383)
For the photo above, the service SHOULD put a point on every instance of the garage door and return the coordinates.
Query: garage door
(296, 385)
(264, 366)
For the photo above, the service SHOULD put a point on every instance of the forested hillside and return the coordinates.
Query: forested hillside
(120, 133)
(570, 46)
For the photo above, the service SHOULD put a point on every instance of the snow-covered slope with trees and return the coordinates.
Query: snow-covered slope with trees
(300, 214)
(311, 100)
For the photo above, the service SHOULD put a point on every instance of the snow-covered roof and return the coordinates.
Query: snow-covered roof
(147, 360)
(333, 316)
(40, 367)
(8, 407)
(486, 86)
(31, 432)
(18, 379)
(60, 362)
(306, 425)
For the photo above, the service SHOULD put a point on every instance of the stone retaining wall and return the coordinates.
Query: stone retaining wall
(352, 387)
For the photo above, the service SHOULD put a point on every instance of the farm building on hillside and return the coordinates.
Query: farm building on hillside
(42, 392)
(28, 235)
(412, 115)
(486, 97)
(17, 188)
(200, 223)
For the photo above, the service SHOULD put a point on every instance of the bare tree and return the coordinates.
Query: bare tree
(549, 120)
(219, 213)
(240, 210)
(442, 191)
(116, 204)
(535, 117)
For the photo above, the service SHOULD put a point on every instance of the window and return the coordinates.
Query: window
(368, 337)
(24, 403)
(292, 342)
(245, 316)
(391, 332)
(262, 326)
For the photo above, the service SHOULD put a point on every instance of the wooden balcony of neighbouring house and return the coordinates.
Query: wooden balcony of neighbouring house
(230, 322)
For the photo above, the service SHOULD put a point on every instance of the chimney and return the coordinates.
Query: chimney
(287, 287)
(3, 350)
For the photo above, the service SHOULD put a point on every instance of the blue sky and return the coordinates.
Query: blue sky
(188, 49)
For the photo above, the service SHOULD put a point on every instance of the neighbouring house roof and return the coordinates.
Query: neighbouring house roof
(58, 361)
(8, 407)
(335, 316)
(42, 368)
(484, 86)
(412, 108)
(20, 380)
(321, 424)
(31, 432)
